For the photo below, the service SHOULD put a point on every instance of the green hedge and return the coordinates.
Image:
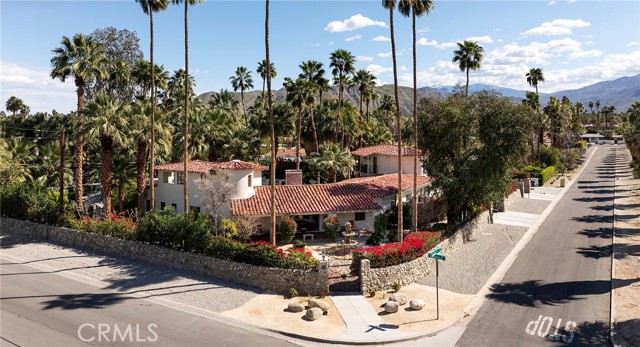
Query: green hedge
(31, 201)
(547, 173)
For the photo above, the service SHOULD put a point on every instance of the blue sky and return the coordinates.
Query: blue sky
(575, 42)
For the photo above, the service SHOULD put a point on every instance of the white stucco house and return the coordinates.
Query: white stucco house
(383, 159)
(169, 191)
(357, 200)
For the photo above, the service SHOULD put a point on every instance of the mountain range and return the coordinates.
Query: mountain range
(620, 93)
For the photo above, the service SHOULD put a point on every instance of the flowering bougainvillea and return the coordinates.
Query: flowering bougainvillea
(414, 246)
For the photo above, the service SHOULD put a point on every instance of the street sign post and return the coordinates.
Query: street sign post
(435, 254)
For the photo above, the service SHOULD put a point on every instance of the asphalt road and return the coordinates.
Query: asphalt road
(44, 308)
(557, 292)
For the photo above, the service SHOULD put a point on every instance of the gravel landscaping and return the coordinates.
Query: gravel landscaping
(469, 268)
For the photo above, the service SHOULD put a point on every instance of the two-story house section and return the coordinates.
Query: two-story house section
(383, 159)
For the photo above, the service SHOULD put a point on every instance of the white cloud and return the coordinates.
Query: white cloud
(571, 1)
(364, 58)
(356, 21)
(557, 27)
(381, 38)
(480, 39)
(585, 54)
(558, 46)
(36, 88)
(633, 43)
(423, 41)
(384, 55)
(403, 68)
(317, 45)
(423, 30)
(353, 38)
(551, 3)
(377, 69)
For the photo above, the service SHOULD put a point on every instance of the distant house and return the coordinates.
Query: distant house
(243, 176)
(600, 139)
(383, 159)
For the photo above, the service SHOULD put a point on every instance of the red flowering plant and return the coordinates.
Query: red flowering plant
(112, 225)
(414, 246)
(263, 253)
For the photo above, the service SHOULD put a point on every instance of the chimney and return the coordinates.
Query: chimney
(293, 177)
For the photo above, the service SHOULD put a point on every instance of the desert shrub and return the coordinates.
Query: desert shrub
(331, 227)
(299, 244)
(31, 201)
(380, 226)
(550, 156)
(228, 228)
(414, 246)
(288, 228)
(185, 232)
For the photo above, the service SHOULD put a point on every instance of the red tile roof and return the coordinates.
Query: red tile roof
(386, 185)
(389, 150)
(200, 166)
(357, 194)
(307, 199)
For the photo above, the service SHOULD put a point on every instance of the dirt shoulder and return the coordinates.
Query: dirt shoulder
(626, 250)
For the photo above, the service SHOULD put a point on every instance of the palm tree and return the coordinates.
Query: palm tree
(534, 77)
(106, 123)
(271, 123)
(468, 56)
(415, 8)
(241, 81)
(387, 106)
(84, 59)
(186, 96)
(149, 7)
(14, 105)
(390, 5)
(226, 101)
(364, 80)
(262, 71)
(300, 95)
(313, 72)
(532, 101)
(333, 161)
(343, 64)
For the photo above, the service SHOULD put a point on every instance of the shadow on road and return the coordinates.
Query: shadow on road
(622, 251)
(534, 293)
(603, 233)
(589, 334)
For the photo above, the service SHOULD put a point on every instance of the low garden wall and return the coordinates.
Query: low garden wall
(407, 273)
(386, 277)
(267, 278)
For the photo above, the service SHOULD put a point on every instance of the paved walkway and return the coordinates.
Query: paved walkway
(363, 323)
(520, 219)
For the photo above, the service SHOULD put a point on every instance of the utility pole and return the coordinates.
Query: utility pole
(61, 197)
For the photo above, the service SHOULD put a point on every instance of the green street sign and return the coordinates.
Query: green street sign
(438, 257)
(435, 252)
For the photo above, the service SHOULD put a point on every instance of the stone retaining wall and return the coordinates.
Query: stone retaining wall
(410, 272)
(385, 278)
(274, 279)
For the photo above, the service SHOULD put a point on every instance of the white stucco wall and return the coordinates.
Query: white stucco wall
(389, 165)
(170, 193)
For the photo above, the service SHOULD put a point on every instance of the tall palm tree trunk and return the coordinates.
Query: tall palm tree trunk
(398, 129)
(141, 166)
(106, 144)
(121, 195)
(79, 150)
(314, 131)
(414, 214)
(299, 133)
(272, 181)
(466, 88)
(152, 191)
(186, 106)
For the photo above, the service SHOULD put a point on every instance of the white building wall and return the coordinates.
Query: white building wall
(169, 192)
(389, 165)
